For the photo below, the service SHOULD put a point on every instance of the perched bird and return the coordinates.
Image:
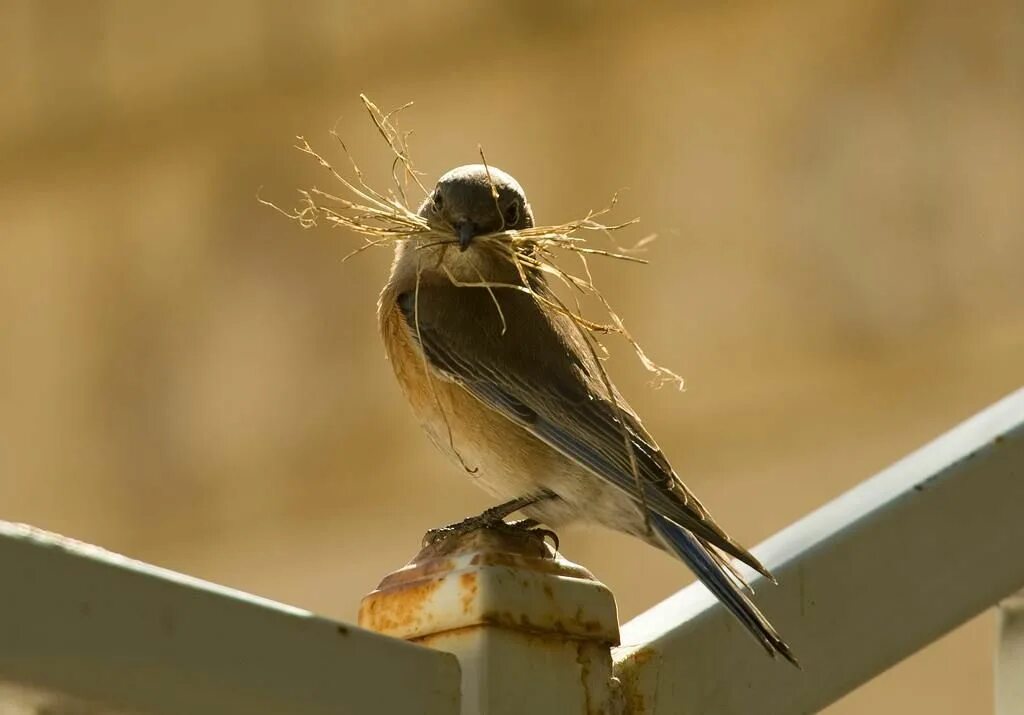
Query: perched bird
(510, 389)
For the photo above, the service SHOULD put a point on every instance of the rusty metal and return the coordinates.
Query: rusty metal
(532, 631)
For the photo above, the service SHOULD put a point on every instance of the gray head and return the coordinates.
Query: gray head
(462, 203)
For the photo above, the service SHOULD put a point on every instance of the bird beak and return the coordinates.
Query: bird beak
(466, 232)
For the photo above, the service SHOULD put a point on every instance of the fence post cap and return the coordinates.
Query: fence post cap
(502, 576)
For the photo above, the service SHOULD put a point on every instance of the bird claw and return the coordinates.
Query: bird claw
(533, 526)
(490, 519)
(461, 528)
(494, 518)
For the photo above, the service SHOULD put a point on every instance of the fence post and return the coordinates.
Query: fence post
(532, 631)
(1010, 657)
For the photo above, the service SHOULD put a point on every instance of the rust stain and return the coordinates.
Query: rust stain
(572, 628)
(584, 663)
(634, 699)
(643, 656)
(589, 625)
(434, 566)
(531, 563)
(416, 572)
(629, 682)
(469, 587)
(397, 610)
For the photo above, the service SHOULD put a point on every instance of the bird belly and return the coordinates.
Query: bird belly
(500, 456)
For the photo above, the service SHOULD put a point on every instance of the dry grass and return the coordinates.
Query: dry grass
(383, 218)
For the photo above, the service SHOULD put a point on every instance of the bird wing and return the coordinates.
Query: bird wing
(533, 366)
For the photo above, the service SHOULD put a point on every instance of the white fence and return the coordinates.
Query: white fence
(865, 581)
(82, 622)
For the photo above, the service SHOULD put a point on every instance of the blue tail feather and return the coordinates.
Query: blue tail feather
(712, 573)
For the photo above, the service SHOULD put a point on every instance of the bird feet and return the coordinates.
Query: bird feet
(487, 521)
(533, 526)
(494, 518)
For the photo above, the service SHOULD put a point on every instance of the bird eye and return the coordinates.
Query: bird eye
(512, 214)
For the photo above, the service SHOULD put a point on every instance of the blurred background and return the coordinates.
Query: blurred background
(188, 378)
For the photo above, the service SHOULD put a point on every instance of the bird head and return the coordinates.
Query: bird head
(463, 203)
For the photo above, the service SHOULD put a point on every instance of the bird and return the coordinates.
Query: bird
(508, 389)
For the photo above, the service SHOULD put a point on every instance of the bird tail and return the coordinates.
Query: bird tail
(721, 579)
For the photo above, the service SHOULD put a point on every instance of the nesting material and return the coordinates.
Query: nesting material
(382, 218)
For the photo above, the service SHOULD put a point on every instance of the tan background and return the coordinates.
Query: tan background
(189, 379)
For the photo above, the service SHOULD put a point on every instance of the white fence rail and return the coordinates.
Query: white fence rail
(865, 581)
(80, 623)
